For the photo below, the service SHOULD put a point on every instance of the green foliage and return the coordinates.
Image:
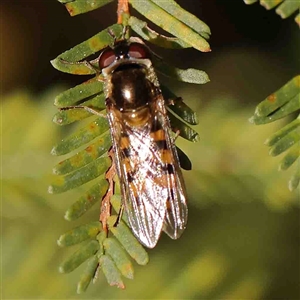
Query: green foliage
(92, 141)
(242, 233)
(76, 7)
(235, 247)
(283, 102)
(284, 10)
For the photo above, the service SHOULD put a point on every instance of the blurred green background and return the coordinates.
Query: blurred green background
(242, 240)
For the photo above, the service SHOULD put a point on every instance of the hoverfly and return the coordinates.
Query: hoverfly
(146, 160)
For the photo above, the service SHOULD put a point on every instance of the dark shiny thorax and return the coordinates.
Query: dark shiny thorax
(131, 89)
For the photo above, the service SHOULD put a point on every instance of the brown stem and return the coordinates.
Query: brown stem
(105, 204)
(123, 8)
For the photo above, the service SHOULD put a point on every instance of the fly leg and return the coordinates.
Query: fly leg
(170, 102)
(177, 133)
(119, 215)
(87, 108)
(91, 110)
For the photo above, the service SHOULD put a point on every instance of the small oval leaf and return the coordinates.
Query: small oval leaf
(142, 29)
(111, 272)
(269, 4)
(184, 161)
(68, 116)
(184, 130)
(184, 16)
(76, 7)
(85, 202)
(69, 61)
(279, 98)
(171, 24)
(84, 157)
(188, 75)
(290, 158)
(79, 234)
(287, 8)
(80, 256)
(63, 183)
(128, 241)
(294, 182)
(118, 254)
(79, 92)
(88, 274)
(81, 137)
(276, 137)
(291, 106)
(286, 142)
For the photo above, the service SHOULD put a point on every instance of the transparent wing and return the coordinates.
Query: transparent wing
(151, 181)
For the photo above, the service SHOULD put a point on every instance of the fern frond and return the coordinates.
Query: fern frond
(87, 147)
(285, 7)
(276, 106)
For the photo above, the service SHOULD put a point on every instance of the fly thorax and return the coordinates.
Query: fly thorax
(129, 87)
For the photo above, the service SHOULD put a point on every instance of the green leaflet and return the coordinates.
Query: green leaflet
(142, 29)
(118, 255)
(89, 163)
(68, 116)
(88, 274)
(269, 4)
(188, 75)
(276, 137)
(84, 157)
(100, 238)
(279, 104)
(76, 7)
(284, 10)
(287, 8)
(79, 234)
(65, 117)
(185, 131)
(297, 19)
(294, 182)
(184, 112)
(179, 107)
(85, 202)
(184, 16)
(292, 155)
(185, 162)
(69, 61)
(116, 203)
(287, 141)
(250, 1)
(65, 1)
(280, 97)
(79, 92)
(286, 109)
(170, 24)
(80, 256)
(111, 272)
(81, 137)
(128, 241)
(63, 183)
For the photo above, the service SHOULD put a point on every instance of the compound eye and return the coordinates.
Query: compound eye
(137, 50)
(107, 57)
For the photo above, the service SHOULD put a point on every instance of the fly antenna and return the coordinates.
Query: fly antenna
(125, 32)
(123, 36)
(112, 34)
